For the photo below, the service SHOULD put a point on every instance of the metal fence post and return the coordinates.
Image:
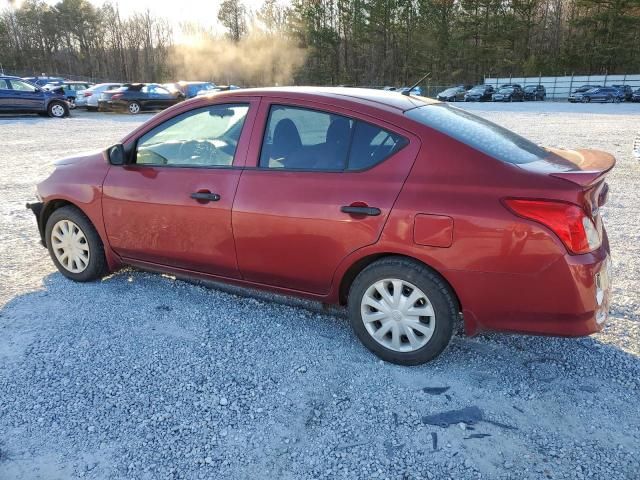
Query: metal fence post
(571, 84)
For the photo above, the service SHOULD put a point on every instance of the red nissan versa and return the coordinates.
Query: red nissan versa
(409, 211)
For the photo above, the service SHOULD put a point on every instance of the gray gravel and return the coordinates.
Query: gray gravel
(142, 376)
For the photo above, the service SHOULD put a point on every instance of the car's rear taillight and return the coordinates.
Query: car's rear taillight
(116, 96)
(568, 221)
(87, 94)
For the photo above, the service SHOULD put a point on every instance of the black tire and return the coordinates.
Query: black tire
(438, 292)
(134, 108)
(97, 265)
(57, 109)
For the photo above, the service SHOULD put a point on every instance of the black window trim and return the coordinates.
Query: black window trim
(404, 139)
(134, 150)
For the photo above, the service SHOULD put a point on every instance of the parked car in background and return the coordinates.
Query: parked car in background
(246, 187)
(70, 89)
(626, 90)
(89, 98)
(42, 81)
(20, 96)
(599, 94)
(534, 92)
(189, 89)
(479, 93)
(636, 96)
(452, 94)
(136, 97)
(508, 94)
(511, 85)
(583, 89)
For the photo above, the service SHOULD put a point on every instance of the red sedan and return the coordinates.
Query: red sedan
(415, 214)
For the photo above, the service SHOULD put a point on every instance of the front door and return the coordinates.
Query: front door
(26, 97)
(172, 205)
(321, 187)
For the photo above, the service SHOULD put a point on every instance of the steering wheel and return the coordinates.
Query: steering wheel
(197, 149)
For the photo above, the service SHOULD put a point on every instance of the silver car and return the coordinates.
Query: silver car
(89, 98)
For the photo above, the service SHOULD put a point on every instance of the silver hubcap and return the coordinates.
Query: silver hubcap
(70, 246)
(398, 315)
(57, 110)
(134, 108)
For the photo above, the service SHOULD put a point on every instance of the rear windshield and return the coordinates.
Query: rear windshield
(478, 133)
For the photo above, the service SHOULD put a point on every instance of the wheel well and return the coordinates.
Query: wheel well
(51, 207)
(353, 271)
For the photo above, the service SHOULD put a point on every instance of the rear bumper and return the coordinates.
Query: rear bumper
(570, 298)
(36, 208)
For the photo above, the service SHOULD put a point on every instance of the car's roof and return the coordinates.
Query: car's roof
(10, 77)
(385, 98)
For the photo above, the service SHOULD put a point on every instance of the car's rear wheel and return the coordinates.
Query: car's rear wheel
(57, 110)
(402, 311)
(74, 245)
(133, 108)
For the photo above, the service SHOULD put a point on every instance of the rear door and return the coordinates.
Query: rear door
(319, 184)
(172, 205)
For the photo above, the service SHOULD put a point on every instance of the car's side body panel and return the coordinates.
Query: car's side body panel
(81, 187)
(288, 225)
(150, 216)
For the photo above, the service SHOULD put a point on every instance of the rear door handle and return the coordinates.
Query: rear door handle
(355, 210)
(205, 196)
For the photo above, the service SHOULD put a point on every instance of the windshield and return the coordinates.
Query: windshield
(477, 90)
(478, 133)
(505, 90)
(530, 88)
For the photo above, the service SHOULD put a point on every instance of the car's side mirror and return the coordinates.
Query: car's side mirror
(116, 154)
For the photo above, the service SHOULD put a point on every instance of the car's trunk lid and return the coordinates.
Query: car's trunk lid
(586, 170)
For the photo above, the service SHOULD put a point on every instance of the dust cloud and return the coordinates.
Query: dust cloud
(258, 59)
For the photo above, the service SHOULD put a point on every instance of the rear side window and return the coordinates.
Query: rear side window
(371, 145)
(478, 133)
(307, 139)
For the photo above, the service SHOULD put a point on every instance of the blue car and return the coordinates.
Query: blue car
(598, 94)
(19, 96)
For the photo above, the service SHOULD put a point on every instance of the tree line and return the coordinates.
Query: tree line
(357, 42)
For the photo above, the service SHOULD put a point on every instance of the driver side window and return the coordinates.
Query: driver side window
(22, 86)
(204, 137)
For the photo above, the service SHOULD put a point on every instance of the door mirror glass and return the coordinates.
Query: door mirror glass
(116, 154)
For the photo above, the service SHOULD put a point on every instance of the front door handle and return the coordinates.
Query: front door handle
(205, 196)
(360, 210)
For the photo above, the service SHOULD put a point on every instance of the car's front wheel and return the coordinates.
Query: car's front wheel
(57, 110)
(74, 245)
(402, 311)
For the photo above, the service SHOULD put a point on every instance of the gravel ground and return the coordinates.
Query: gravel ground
(143, 376)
